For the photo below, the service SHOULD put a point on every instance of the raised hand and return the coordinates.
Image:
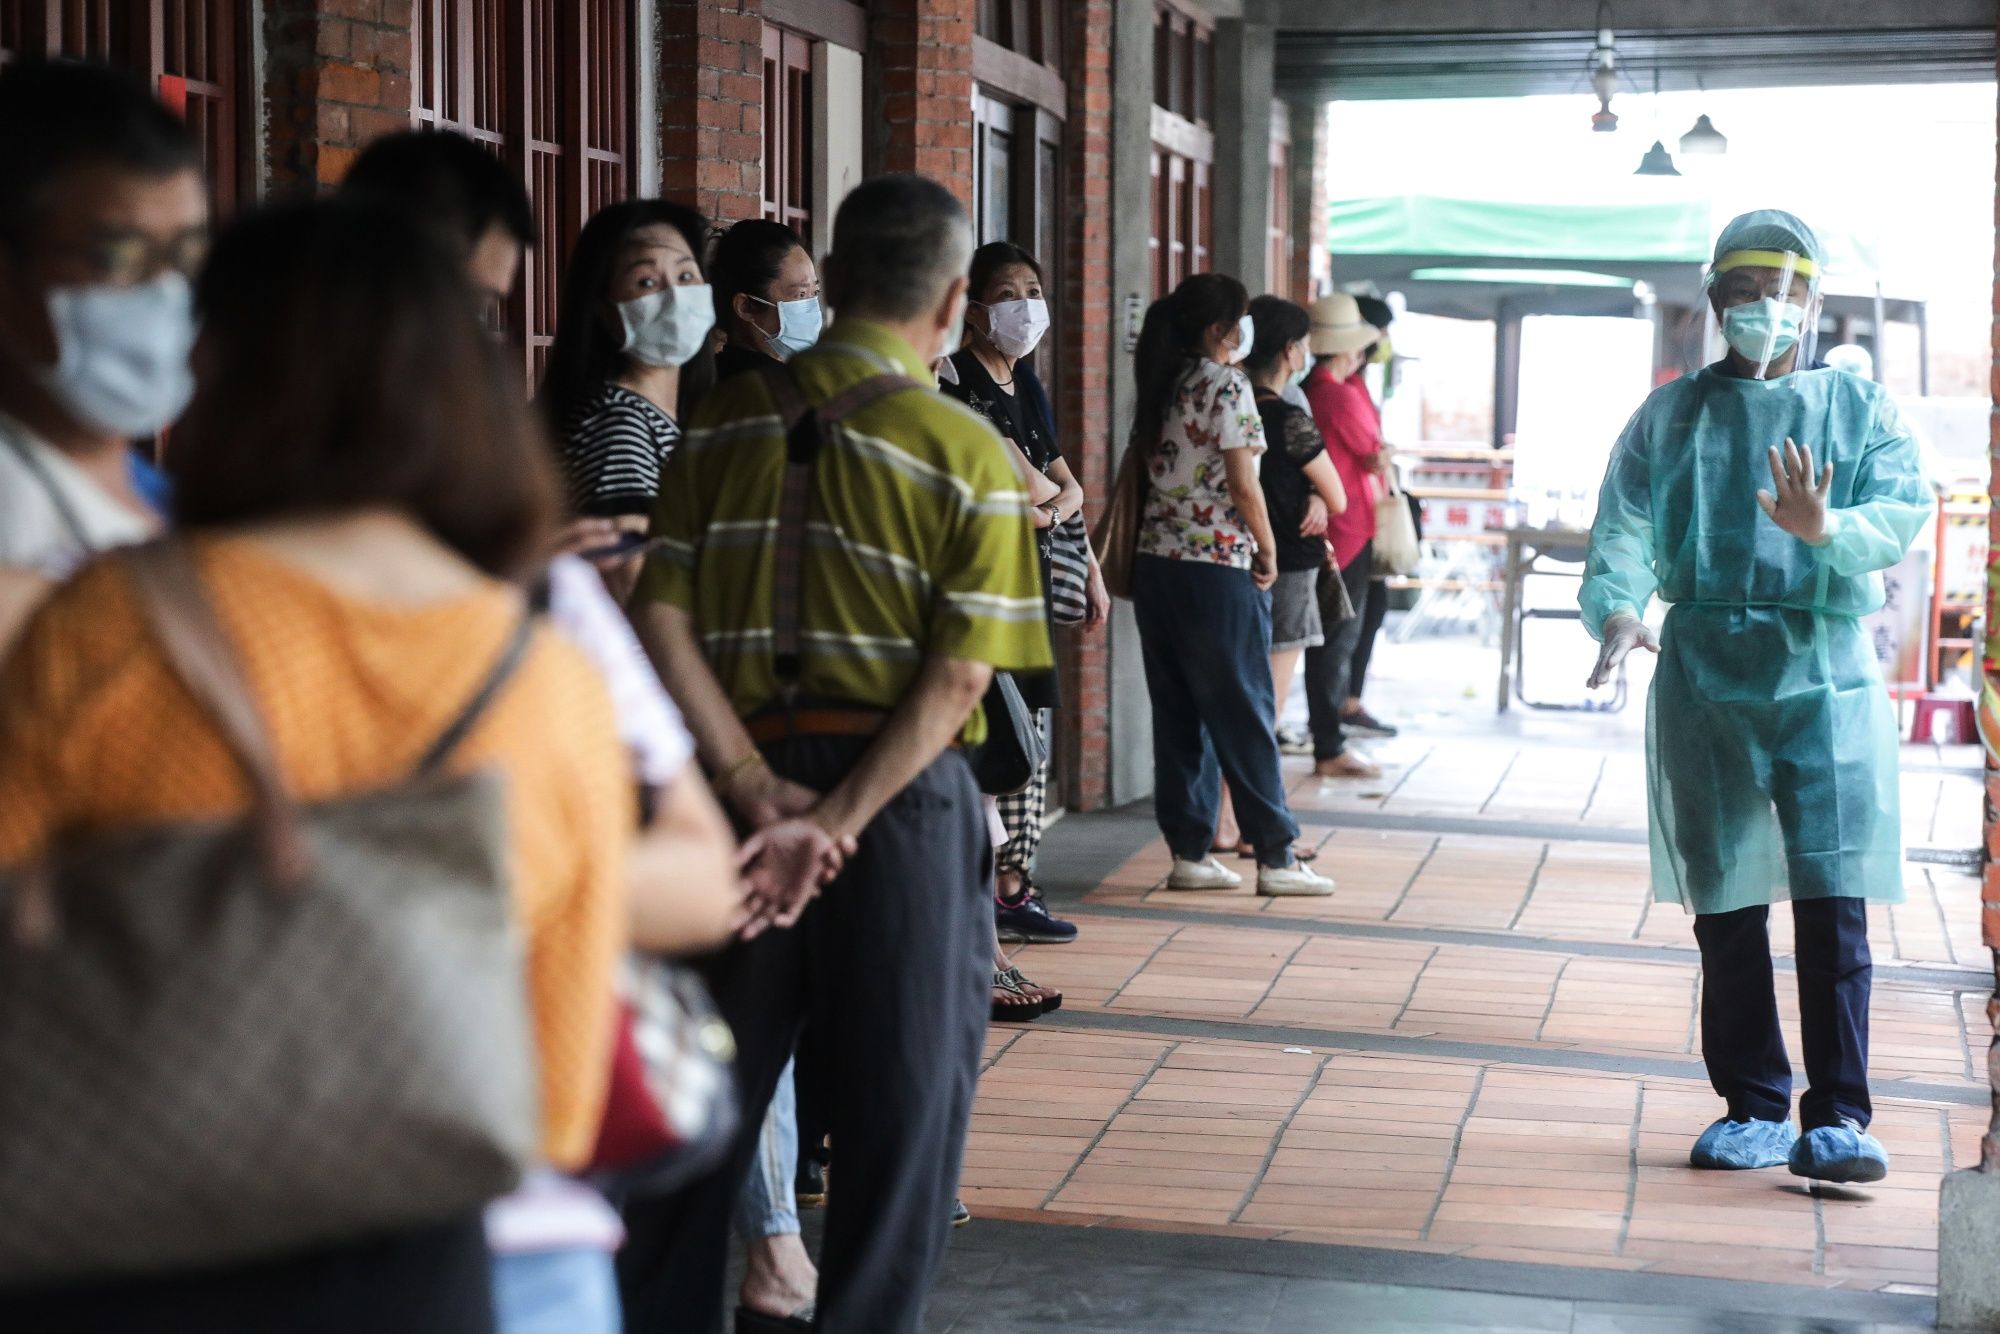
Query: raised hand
(1797, 501)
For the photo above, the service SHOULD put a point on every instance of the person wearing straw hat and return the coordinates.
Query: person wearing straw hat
(1339, 341)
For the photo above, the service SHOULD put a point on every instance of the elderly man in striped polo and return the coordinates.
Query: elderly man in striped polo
(830, 654)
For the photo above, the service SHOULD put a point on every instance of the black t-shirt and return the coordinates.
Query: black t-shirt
(1015, 418)
(614, 445)
(1291, 441)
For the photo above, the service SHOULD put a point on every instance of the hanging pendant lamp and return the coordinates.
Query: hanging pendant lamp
(1704, 138)
(1657, 162)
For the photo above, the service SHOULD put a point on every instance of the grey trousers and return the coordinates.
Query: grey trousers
(893, 963)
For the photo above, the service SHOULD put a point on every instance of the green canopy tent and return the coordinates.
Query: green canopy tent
(1503, 261)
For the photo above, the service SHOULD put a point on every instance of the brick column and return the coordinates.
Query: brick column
(921, 121)
(1085, 410)
(712, 105)
(1309, 151)
(336, 75)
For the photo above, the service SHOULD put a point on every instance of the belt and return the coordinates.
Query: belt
(779, 724)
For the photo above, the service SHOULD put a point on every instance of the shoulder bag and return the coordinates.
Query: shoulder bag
(230, 1039)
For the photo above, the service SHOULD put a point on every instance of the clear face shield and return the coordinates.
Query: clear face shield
(1766, 304)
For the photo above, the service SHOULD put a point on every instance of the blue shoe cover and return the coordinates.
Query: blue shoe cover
(1842, 1153)
(1736, 1146)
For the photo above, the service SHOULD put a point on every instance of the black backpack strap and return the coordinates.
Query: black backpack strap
(805, 432)
(511, 655)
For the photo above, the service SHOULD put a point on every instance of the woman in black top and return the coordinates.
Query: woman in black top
(1004, 323)
(766, 296)
(1301, 488)
(631, 353)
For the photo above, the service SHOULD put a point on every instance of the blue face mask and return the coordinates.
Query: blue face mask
(799, 324)
(1760, 329)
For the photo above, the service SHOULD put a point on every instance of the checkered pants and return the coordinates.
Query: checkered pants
(1022, 814)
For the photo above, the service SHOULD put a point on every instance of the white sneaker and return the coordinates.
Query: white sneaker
(1207, 873)
(1295, 881)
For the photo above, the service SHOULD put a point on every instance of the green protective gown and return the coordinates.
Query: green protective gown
(1770, 739)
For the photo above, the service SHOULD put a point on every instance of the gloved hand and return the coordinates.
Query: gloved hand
(1798, 502)
(1622, 633)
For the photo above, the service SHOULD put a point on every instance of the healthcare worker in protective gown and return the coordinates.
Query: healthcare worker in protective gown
(1759, 498)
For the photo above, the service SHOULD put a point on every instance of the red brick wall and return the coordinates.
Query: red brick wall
(712, 105)
(336, 74)
(921, 57)
(1085, 410)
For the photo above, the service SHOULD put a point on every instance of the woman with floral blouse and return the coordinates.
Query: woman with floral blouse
(1201, 580)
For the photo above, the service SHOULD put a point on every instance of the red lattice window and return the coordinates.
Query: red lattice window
(189, 51)
(788, 155)
(546, 86)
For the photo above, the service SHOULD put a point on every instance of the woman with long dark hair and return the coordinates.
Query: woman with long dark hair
(631, 352)
(1205, 561)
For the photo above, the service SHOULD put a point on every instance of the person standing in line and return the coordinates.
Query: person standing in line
(922, 582)
(1205, 560)
(103, 222)
(1346, 419)
(1005, 323)
(1301, 488)
(1762, 499)
(553, 1239)
(631, 351)
(1355, 719)
(767, 301)
(359, 499)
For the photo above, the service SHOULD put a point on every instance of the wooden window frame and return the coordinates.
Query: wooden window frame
(840, 22)
(192, 53)
(786, 172)
(556, 104)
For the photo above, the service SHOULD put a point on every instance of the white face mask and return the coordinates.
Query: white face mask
(1246, 334)
(799, 323)
(1017, 327)
(122, 353)
(667, 328)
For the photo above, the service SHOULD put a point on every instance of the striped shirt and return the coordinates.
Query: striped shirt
(918, 532)
(614, 445)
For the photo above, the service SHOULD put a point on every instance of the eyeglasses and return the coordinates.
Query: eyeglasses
(125, 259)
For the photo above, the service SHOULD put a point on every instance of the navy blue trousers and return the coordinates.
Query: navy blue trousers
(1205, 633)
(1740, 1037)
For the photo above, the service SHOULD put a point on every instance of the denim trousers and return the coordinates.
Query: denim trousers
(767, 1206)
(1205, 634)
(555, 1292)
(1741, 1041)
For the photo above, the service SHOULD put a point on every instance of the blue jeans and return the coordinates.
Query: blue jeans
(555, 1292)
(1205, 632)
(767, 1206)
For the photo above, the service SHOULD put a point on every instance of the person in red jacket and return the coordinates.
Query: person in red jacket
(1347, 418)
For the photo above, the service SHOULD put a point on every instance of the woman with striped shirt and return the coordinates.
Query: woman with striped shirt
(631, 350)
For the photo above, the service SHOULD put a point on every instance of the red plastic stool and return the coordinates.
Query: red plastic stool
(1963, 713)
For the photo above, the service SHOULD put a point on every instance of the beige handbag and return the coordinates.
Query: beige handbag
(224, 1040)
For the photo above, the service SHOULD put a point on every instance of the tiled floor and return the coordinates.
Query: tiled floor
(1481, 1050)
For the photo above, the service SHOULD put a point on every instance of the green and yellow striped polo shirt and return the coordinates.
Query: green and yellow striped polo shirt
(919, 540)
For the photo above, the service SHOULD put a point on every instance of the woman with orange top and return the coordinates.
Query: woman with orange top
(358, 489)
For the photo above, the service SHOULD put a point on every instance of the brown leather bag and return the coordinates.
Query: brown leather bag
(1117, 535)
(227, 1039)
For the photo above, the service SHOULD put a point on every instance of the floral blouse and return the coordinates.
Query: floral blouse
(1189, 513)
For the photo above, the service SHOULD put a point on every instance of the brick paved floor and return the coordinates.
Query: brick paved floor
(1483, 1046)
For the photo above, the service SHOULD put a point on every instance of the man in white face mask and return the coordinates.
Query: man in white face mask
(103, 217)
